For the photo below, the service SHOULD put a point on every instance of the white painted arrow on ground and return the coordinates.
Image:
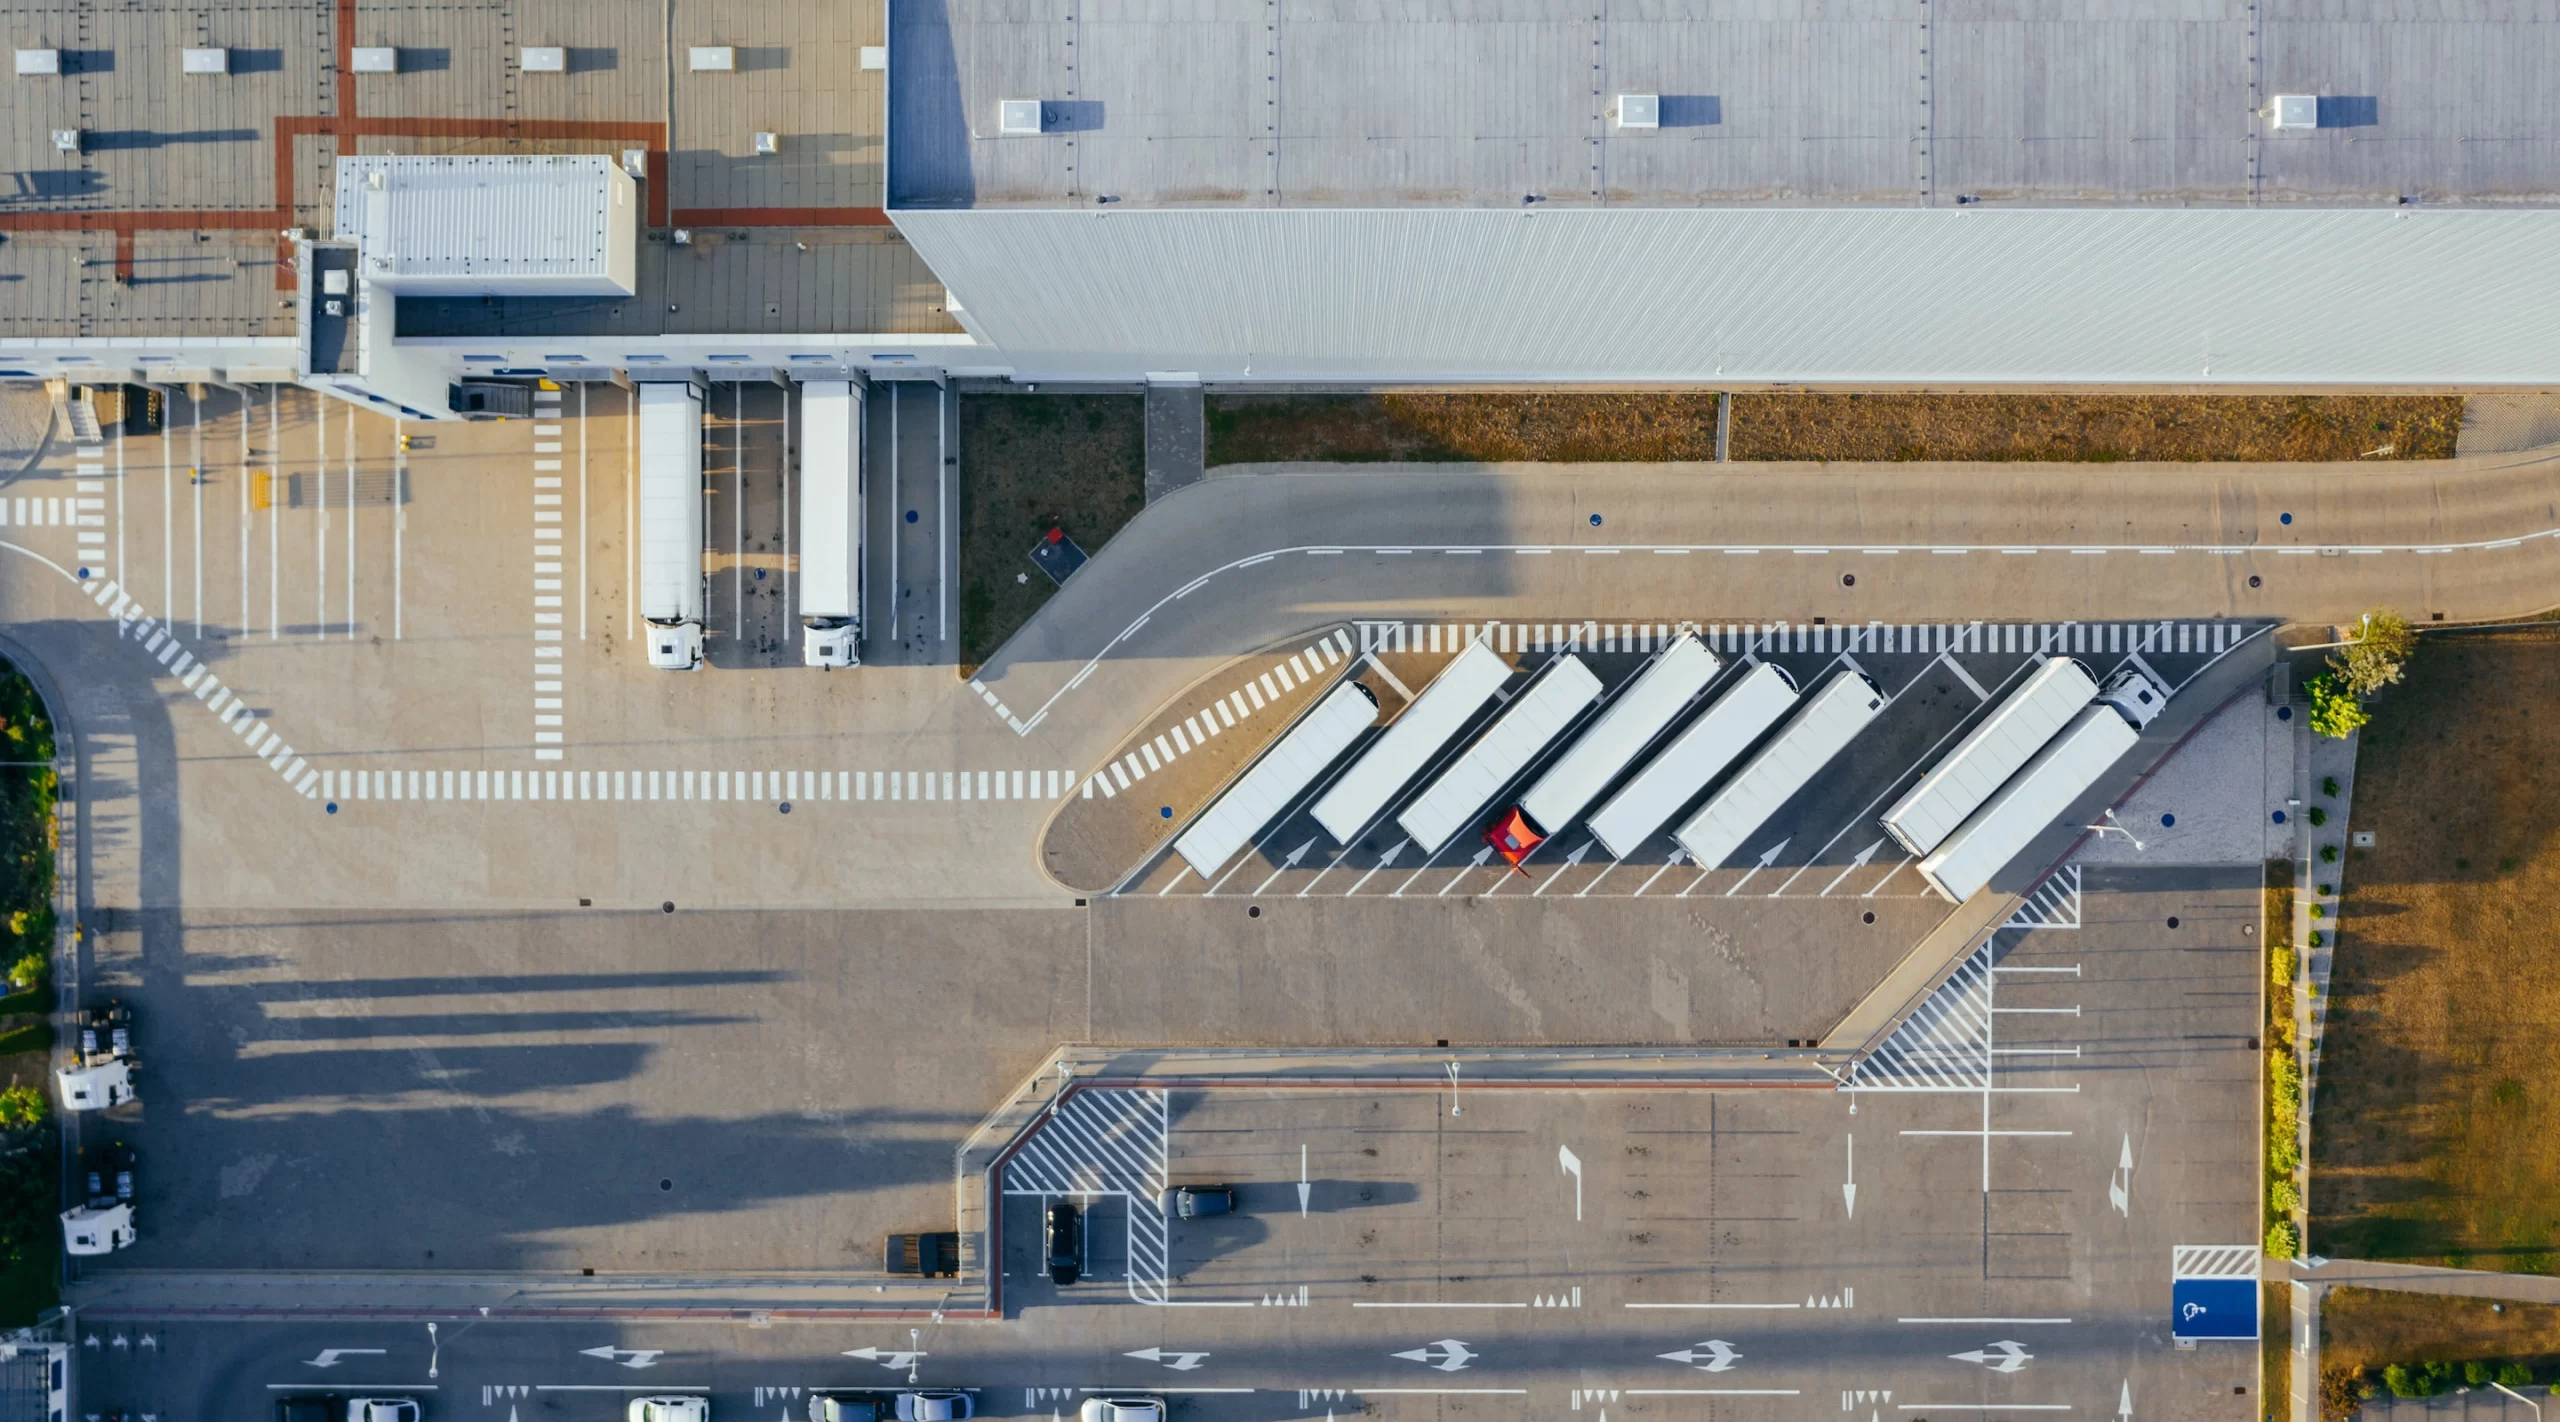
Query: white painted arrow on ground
(1765, 861)
(329, 1356)
(1179, 1362)
(1476, 863)
(1854, 866)
(2124, 1409)
(627, 1357)
(1849, 1187)
(1305, 1186)
(890, 1358)
(1453, 1355)
(2005, 1356)
(2120, 1184)
(1570, 861)
(1719, 1356)
(1384, 861)
(1571, 1164)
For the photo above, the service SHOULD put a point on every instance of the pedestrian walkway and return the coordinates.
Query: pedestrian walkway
(160, 641)
(341, 787)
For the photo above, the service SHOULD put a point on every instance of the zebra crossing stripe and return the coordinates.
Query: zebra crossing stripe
(2055, 903)
(1943, 1046)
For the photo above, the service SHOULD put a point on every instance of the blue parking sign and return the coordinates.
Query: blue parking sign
(2214, 1308)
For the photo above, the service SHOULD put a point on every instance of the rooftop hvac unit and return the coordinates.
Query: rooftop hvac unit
(875, 56)
(39, 61)
(1639, 111)
(711, 58)
(66, 140)
(378, 59)
(204, 61)
(2297, 111)
(768, 144)
(543, 59)
(635, 162)
(1016, 117)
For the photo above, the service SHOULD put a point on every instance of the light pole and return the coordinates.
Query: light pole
(435, 1349)
(2511, 1392)
(2114, 826)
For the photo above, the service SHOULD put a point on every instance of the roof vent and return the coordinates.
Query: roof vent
(378, 59)
(875, 56)
(39, 61)
(768, 144)
(1639, 111)
(543, 59)
(635, 162)
(1016, 117)
(66, 140)
(2297, 111)
(711, 58)
(204, 61)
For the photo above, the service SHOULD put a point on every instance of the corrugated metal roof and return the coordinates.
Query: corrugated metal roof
(549, 224)
(2204, 296)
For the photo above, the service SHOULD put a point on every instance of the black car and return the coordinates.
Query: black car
(1065, 1235)
(1192, 1202)
(309, 1407)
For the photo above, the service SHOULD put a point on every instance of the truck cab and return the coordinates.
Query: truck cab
(100, 1074)
(2135, 696)
(92, 1229)
(675, 646)
(832, 643)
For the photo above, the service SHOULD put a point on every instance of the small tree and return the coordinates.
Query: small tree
(2477, 1373)
(2514, 1375)
(2335, 712)
(2372, 661)
(27, 971)
(21, 1105)
(2284, 1241)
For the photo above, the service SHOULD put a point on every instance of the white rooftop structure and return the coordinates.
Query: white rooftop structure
(563, 225)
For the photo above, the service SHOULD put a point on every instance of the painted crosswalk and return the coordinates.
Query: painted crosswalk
(1881, 637)
(1282, 676)
(2055, 903)
(550, 715)
(1105, 1141)
(1945, 1045)
(763, 788)
(161, 642)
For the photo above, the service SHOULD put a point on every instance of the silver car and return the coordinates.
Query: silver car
(935, 1407)
(383, 1409)
(1123, 1409)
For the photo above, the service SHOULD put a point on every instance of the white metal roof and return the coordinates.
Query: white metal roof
(830, 509)
(2034, 799)
(1536, 717)
(1741, 714)
(1820, 729)
(1456, 694)
(1629, 725)
(2044, 296)
(561, 224)
(1287, 768)
(670, 501)
(1965, 777)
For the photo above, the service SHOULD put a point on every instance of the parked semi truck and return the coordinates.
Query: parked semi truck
(1740, 716)
(99, 1076)
(1985, 759)
(2045, 788)
(1820, 729)
(1533, 719)
(1393, 759)
(831, 523)
(670, 591)
(102, 1222)
(1289, 767)
(1596, 757)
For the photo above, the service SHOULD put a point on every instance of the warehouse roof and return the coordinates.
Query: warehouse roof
(1497, 103)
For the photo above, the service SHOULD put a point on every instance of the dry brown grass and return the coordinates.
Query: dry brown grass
(2100, 428)
(2366, 1330)
(1488, 429)
(1028, 462)
(2437, 1128)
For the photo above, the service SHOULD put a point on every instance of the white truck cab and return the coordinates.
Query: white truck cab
(97, 1229)
(2135, 696)
(96, 1085)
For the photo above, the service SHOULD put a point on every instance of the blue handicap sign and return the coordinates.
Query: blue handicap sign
(2214, 1308)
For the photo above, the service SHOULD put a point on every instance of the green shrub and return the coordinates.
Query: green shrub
(2335, 712)
(2328, 854)
(2477, 1373)
(2317, 912)
(2514, 1375)
(2282, 1197)
(2383, 641)
(2316, 939)
(21, 1105)
(27, 971)
(2329, 787)
(2317, 816)
(2282, 963)
(2400, 1381)
(2284, 1241)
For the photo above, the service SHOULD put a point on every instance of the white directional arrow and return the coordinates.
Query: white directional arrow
(1849, 1187)
(1451, 1357)
(2124, 1409)
(1765, 861)
(1854, 866)
(1289, 863)
(627, 1357)
(1571, 1164)
(1306, 1187)
(1385, 860)
(1719, 1356)
(1476, 863)
(1570, 860)
(329, 1356)
(885, 1357)
(2120, 1184)
(1179, 1362)
(2005, 1356)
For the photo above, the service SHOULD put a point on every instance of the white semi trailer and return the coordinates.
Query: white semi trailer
(1820, 729)
(1290, 766)
(2038, 794)
(1534, 718)
(670, 592)
(1620, 735)
(1742, 713)
(831, 523)
(1985, 759)
(1444, 707)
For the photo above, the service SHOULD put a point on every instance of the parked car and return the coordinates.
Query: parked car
(1064, 1235)
(1192, 1202)
(383, 1409)
(673, 1408)
(1123, 1409)
(827, 1407)
(935, 1407)
(310, 1407)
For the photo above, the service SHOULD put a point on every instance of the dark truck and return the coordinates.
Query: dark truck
(932, 1255)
